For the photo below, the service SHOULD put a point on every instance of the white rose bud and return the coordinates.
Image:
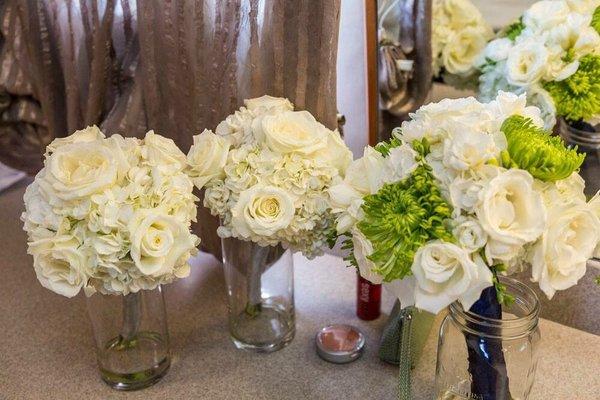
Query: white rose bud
(470, 234)
(262, 210)
(207, 157)
(336, 153)
(445, 273)
(543, 15)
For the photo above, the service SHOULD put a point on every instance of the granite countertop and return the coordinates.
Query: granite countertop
(47, 350)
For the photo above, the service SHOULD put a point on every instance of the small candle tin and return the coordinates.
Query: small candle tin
(340, 344)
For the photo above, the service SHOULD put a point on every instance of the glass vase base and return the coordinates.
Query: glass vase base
(137, 380)
(263, 329)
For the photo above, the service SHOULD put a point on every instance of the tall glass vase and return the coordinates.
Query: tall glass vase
(487, 358)
(260, 289)
(132, 340)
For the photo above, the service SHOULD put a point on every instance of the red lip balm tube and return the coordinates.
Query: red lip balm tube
(368, 299)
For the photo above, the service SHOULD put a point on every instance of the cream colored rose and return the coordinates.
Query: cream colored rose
(163, 153)
(335, 153)
(75, 171)
(510, 211)
(559, 258)
(207, 158)
(89, 134)
(59, 264)
(160, 244)
(526, 63)
(262, 211)
(268, 103)
(469, 234)
(362, 250)
(445, 273)
(367, 174)
(462, 50)
(291, 131)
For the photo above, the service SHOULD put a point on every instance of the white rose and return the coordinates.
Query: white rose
(559, 258)
(89, 134)
(160, 244)
(400, 163)
(445, 273)
(268, 103)
(237, 127)
(363, 248)
(291, 131)
(59, 264)
(470, 234)
(510, 211)
(563, 192)
(78, 170)
(498, 49)
(163, 153)
(543, 15)
(462, 50)
(336, 153)
(207, 157)
(262, 210)
(526, 63)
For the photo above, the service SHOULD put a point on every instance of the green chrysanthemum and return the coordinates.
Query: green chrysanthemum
(596, 19)
(514, 30)
(402, 217)
(535, 150)
(578, 97)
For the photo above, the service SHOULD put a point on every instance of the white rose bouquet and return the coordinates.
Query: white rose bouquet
(111, 215)
(552, 53)
(266, 173)
(463, 192)
(459, 34)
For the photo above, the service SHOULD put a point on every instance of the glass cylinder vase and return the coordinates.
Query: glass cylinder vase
(260, 289)
(490, 359)
(132, 340)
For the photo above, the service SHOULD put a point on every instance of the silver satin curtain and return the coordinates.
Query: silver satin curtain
(174, 66)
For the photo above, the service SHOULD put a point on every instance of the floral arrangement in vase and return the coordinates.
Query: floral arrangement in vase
(459, 34)
(552, 53)
(466, 192)
(113, 216)
(266, 172)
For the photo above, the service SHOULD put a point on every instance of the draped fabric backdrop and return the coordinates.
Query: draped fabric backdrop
(175, 66)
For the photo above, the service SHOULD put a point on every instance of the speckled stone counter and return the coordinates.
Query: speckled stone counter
(46, 345)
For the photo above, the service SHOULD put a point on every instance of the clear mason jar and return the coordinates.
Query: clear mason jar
(260, 289)
(489, 359)
(132, 340)
(587, 138)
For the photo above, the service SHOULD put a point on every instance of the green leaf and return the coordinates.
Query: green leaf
(535, 150)
(514, 30)
(596, 19)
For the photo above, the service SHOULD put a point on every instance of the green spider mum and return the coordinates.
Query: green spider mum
(578, 96)
(535, 150)
(402, 217)
(596, 19)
